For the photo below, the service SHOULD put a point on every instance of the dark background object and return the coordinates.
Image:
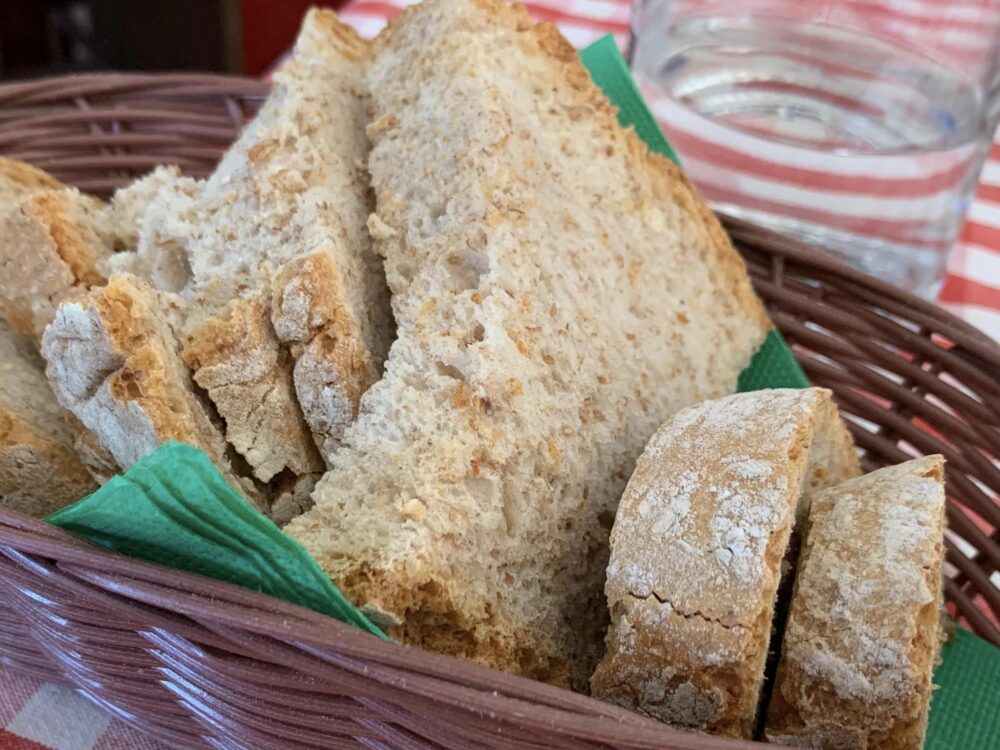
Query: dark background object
(45, 37)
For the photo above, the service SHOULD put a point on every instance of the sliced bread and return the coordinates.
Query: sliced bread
(286, 319)
(284, 222)
(31, 239)
(558, 291)
(697, 551)
(39, 468)
(114, 361)
(268, 268)
(54, 244)
(862, 635)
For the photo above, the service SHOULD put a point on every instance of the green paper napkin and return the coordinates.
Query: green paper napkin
(175, 509)
(965, 709)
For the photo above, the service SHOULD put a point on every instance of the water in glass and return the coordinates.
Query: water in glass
(856, 142)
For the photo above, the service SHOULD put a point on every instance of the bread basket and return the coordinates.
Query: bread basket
(198, 663)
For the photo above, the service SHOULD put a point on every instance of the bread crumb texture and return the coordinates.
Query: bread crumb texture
(862, 635)
(54, 244)
(114, 361)
(558, 292)
(284, 218)
(696, 553)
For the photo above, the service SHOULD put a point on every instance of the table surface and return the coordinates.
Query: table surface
(36, 716)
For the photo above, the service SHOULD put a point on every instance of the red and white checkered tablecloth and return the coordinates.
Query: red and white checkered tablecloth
(37, 716)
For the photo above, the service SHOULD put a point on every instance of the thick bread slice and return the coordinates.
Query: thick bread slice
(18, 179)
(153, 217)
(697, 548)
(113, 361)
(240, 364)
(558, 292)
(54, 244)
(862, 636)
(39, 470)
(282, 222)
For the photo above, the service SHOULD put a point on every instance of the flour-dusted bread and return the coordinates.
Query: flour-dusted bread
(284, 228)
(39, 469)
(862, 635)
(697, 550)
(558, 292)
(114, 361)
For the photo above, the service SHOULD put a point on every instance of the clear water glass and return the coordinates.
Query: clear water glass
(860, 126)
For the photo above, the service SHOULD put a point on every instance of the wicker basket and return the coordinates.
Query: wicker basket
(199, 663)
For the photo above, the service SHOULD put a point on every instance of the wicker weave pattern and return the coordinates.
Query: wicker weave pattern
(101, 131)
(202, 664)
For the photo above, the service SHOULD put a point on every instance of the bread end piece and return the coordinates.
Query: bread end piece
(334, 364)
(863, 632)
(697, 550)
(39, 470)
(54, 244)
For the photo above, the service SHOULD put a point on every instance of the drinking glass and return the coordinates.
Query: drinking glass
(860, 126)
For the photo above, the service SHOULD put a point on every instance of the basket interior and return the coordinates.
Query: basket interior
(909, 378)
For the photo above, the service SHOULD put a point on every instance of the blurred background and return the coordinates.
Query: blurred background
(46, 37)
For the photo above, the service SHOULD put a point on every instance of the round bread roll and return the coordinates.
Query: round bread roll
(697, 549)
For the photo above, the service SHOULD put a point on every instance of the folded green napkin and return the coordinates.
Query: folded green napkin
(175, 509)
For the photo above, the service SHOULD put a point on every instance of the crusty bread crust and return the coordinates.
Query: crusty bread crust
(17, 179)
(236, 358)
(53, 245)
(114, 361)
(862, 636)
(697, 548)
(334, 366)
(541, 339)
(39, 471)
